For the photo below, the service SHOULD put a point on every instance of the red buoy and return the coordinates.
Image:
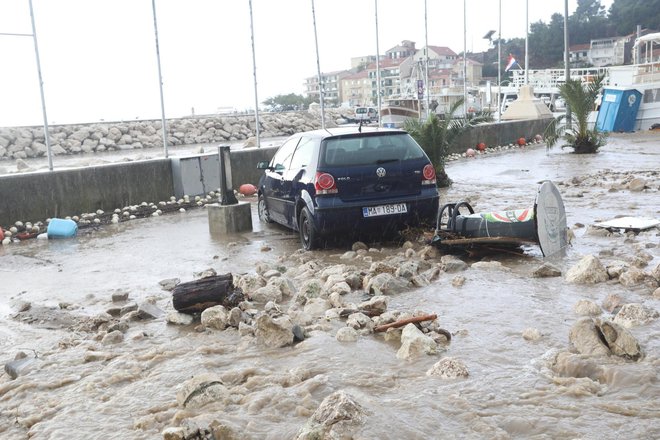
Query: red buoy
(247, 189)
(522, 141)
(481, 146)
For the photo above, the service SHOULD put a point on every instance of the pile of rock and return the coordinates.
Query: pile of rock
(28, 142)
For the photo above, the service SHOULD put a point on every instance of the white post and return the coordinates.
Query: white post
(318, 68)
(254, 72)
(160, 81)
(378, 93)
(41, 90)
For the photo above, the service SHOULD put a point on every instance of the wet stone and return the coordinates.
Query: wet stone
(458, 281)
(347, 334)
(531, 334)
(113, 338)
(132, 307)
(589, 270)
(22, 364)
(177, 318)
(632, 315)
(298, 333)
(169, 284)
(374, 306)
(272, 273)
(414, 343)
(585, 307)
(274, 332)
(449, 368)
(620, 341)
(201, 390)
(633, 277)
(113, 311)
(586, 339)
(612, 302)
(119, 296)
(120, 326)
(215, 317)
(546, 270)
(358, 245)
(147, 310)
(336, 418)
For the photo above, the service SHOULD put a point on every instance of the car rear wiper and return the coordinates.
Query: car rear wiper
(380, 161)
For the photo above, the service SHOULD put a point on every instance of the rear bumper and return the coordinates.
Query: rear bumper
(332, 215)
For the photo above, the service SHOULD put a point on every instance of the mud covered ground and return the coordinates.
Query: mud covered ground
(106, 368)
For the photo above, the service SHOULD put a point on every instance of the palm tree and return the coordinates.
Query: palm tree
(575, 129)
(436, 134)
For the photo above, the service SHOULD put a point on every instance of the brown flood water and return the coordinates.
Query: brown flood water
(511, 392)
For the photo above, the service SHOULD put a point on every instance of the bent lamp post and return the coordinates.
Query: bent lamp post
(543, 224)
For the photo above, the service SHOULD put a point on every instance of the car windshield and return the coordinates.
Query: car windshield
(369, 150)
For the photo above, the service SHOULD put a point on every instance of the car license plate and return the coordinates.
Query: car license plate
(375, 211)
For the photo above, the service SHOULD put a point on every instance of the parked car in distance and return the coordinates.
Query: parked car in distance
(325, 183)
(366, 114)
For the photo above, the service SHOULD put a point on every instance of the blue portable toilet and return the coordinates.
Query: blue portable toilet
(618, 109)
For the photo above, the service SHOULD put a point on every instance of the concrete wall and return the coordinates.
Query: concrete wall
(504, 133)
(37, 196)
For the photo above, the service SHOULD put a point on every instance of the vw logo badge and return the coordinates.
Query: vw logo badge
(380, 172)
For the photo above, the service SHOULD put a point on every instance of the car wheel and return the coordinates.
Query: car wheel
(308, 235)
(264, 216)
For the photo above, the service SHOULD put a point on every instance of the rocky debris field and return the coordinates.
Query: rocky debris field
(29, 142)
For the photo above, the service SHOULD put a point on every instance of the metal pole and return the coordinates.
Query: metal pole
(567, 68)
(426, 60)
(464, 58)
(499, 66)
(526, 42)
(160, 81)
(318, 68)
(378, 93)
(41, 90)
(254, 71)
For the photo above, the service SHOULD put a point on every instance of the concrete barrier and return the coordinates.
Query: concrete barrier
(40, 195)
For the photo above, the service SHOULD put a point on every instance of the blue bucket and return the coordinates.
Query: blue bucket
(61, 228)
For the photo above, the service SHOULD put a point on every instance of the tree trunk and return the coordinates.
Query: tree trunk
(196, 296)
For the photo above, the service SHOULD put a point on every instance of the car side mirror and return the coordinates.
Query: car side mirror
(263, 165)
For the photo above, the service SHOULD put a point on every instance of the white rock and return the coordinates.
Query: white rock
(449, 368)
(635, 314)
(585, 307)
(347, 334)
(415, 343)
(216, 317)
(589, 270)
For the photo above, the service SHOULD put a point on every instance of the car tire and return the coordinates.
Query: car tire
(262, 209)
(308, 234)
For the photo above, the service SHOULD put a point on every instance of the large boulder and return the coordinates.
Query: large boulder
(336, 418)
(589, 270)
(274, 332)
(620, 341)
(634, 314)
(201, 390)
(585, 337)
(414, 343)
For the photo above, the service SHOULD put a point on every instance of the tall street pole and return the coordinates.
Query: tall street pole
(426, 62)
(378, 92)
(318, 69)
(254, 72)
(526, 42)
(567, 68)
(160, 81)
(499, 65)
(465, 59)
(41, 90)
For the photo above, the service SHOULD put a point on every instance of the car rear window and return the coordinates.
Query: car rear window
(370, 150)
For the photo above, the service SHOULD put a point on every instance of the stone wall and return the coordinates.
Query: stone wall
(28, 142)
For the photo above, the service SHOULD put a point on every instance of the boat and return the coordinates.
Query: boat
(644, 77)
(397, 109)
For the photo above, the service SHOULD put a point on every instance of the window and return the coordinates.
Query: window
(303, 155)
(282, 158)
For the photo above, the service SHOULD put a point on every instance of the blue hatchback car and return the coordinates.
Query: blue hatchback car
(348, 180)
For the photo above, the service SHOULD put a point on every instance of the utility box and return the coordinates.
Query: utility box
(618, 109)
(195, 175)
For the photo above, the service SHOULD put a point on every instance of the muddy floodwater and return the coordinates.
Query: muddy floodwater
(54, 295)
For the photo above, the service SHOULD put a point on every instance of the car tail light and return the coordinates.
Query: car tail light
(429, 175)
(324, 183)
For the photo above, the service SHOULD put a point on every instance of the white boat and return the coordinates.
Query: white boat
(643, 76)
(396, 110)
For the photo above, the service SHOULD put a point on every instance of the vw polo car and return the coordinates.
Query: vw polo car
(344, 181)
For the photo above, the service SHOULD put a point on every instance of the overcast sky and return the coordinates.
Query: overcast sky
(98, 57)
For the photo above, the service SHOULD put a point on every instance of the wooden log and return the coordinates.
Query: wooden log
(401, 323)
(198, 295)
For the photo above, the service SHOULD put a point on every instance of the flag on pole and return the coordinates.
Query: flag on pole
(511, 62)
